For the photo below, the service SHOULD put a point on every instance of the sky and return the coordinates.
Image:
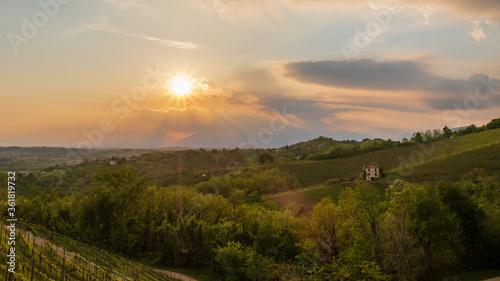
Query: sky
(99, 73)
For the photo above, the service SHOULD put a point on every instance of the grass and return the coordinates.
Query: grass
(331, 190)
(311, 173)
(303, 200)
(446, 160)
(451, 168)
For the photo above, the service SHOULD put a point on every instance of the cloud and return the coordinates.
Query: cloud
(126, 4)
(236, 9)
(401, 76)
(491, 22)
(476, 31)
(57, 106)
(370, 74)
(427, 11)
(305, 109)
(101, 24)
(359, 74)
(207, 86)
(486, 8)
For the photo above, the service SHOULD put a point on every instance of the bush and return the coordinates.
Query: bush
(265, 157)
(235, 262)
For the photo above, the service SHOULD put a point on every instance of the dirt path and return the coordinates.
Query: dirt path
(174, 275)
(60, 251)
(295, 191)
(318, 186)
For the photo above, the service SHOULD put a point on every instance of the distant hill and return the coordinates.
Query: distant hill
(406, 162)
(449, 160)
(37, 158)
(313, 146)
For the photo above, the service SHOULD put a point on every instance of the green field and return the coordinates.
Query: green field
(450, 168)
(446, 160)
(464, 148)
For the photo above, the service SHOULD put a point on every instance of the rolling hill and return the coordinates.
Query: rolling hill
(432, 162)
(397, 161)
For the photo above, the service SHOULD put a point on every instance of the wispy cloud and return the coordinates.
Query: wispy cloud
(230, 9)
(57, 106)
(101, 24)
(126, 4)
(491, 22)
(476, 31)
(427, 11)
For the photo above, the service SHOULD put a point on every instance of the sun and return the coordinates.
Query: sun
(180, 86)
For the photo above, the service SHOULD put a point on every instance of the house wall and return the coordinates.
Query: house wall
(372, 173)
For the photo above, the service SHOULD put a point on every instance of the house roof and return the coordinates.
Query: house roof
(371, 166)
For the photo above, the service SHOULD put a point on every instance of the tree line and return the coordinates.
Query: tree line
(339, 150)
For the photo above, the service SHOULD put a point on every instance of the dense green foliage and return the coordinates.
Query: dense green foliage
(409, 231)
(265, 157)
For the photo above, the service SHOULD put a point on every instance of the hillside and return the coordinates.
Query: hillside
(317, 172)
(451, 167)
(39, 158)
(313, 146)
(442, 161)
(44, 256)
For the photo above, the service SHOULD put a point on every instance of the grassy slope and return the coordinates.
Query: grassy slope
(117, 267)
(317, 172)
(450, 168)
(448, 161)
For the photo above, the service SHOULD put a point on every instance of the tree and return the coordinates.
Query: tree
(495, 123)
(303, 156)
(417, 138)
(419, 237)
(235, 262)
(436, 134)
(471, 219)
(320, 228)
(427, 136)
(470, 129)
(265, 157)
(109, 214)
(360, 211)
(447, 133)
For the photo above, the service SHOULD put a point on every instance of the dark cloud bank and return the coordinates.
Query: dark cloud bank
(402, 76)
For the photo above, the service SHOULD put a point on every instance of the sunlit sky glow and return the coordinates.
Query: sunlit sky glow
(261, 73)
(180, 86)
